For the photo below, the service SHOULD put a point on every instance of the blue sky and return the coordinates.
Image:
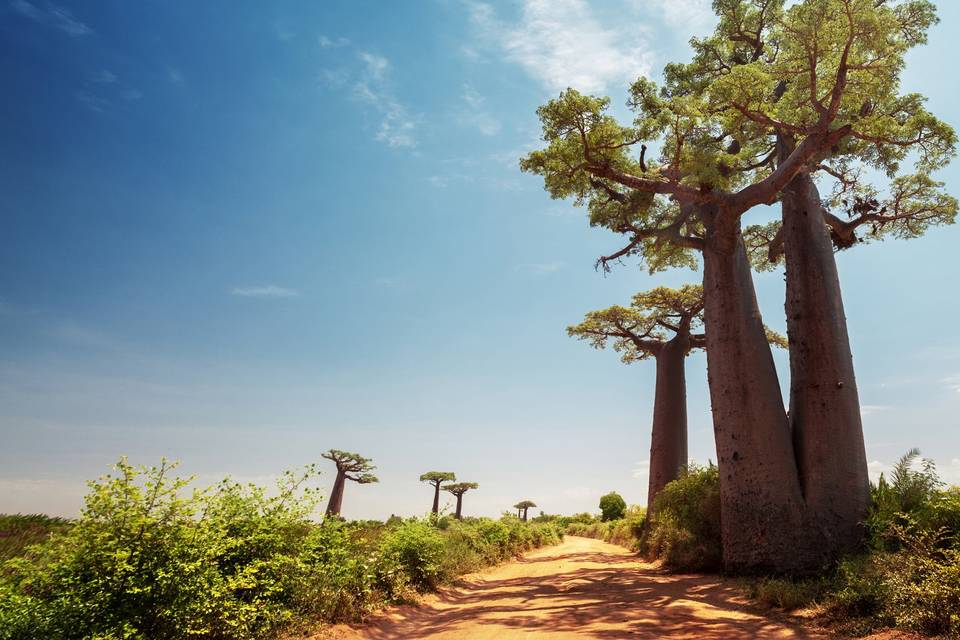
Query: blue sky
(238, 234)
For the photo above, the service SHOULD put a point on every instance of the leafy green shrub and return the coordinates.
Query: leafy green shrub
(148, 560)
(612, 506)
(786, 593)
(684, 527)
(412, 553)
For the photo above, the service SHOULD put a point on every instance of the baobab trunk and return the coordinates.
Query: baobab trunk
(668, 440)
(762, 515)
(458, 515)
(824, 404)
(436, 498)
(336, 496)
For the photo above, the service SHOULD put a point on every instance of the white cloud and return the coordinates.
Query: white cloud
(93, 102)
(562, 44)
(175, 75)
(693, 16)
(869, 409)
(396, 124)
(104, 76)
(438, 181)
(952, 382)
(267, 291)
(331, 43)
(642, 470)
(474, 115)
(53, 16)
(540, 268)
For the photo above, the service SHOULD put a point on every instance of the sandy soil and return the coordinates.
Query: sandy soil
(579, 589)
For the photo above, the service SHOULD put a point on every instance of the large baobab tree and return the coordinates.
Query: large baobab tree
(522, 507)
(784, 70)
(721, 154)
(436, 478)
(458, 489)
(350, 466)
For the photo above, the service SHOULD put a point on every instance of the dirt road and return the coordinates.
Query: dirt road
(579, 589)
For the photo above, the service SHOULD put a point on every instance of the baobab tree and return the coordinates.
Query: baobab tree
(350, 466)
(458, 489)
(663, 324)
(436, 478)
(522, 507)
(773, 73)
(718, 159)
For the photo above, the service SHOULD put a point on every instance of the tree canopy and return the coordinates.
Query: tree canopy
(352, 465)
(460, 488)
(773, 92)
(652, 319)
(437, 477)
(612, 506)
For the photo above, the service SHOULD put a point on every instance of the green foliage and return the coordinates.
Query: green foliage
(910, 576)
(684, 527)
(612, 506)
(438, 477)
(354, 466)
(640, 330)
(19, 532)
(625, 531)
(459, 488)
(150, 560)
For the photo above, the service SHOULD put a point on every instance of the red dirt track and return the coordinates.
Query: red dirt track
(581, 588)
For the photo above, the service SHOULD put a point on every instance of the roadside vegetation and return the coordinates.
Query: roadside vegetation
(905, 576)
(151, 558)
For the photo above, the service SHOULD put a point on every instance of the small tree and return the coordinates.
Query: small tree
(522, 508)
(436, 478)
(458, 489)
(350, 466)
(612, 506)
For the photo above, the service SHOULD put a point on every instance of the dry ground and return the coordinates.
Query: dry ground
(581, 588)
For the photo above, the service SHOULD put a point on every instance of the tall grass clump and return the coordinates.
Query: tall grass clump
(151, 559)
(19, 532)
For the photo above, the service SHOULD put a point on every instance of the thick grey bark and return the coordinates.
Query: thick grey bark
(668, 440)
(458, 515)
(762, 515)
(336, 495)
(824, 404)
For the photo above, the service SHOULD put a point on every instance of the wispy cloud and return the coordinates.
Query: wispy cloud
(562, 44)
(93, 102)
(326, 42)
(53, 16)
(267, 291)
(691, 15)
(952, 383)
(540, 268)
(104, 76)
(642, 470)
(175, 75)
(870, 409)
(369, 83)
(475, 115)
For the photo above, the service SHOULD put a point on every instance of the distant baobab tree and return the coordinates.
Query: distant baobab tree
(350, 466)
(436, 478)
(522, 508)
(458, 489)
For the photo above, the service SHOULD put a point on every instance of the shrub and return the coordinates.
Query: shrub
(612, 506)
(148, 560)
(684, 526)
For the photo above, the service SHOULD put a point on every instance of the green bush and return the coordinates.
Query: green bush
(612, 506)
(148, 560)
(684, 527)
